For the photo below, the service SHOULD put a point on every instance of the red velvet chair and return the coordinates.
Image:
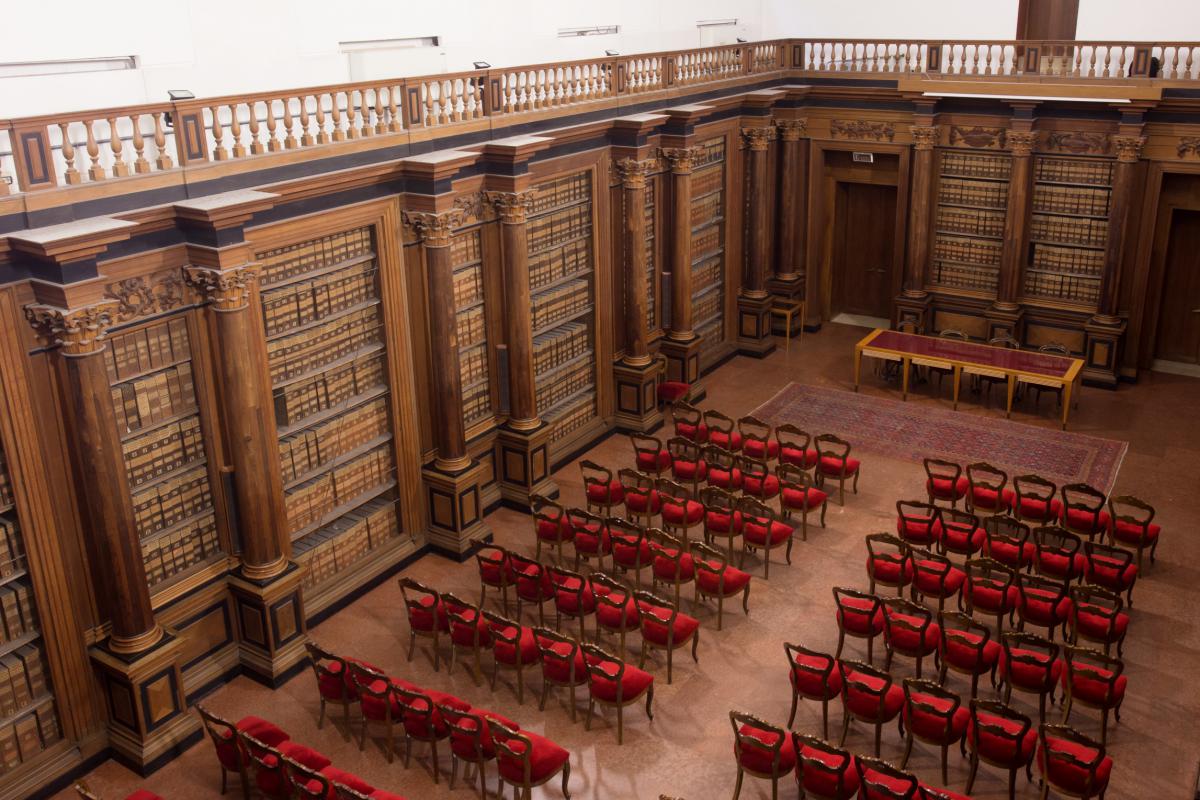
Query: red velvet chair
(1071, 763)
(721, 516)
(348, 793)
(986, 490)
(305, 782)
(602, 490)
(224, 735)
(908, 630)
(1008, 542)
(966, 647)
(140, 794)
(795, 447)
(716, 579)
(469, 631)
(615, 684)
(869, 695)
(1110, 568)
(1029, 663)
(348, 786)
(426, 617)
(670, 392)
(834, 463)
(379, 705)
(665, 627)
(649, 455)
(961, 533)
(630, 550)
(616, 608)
(1097, 616)
(533, 584)
(723, 467)
(265, 763)
(1133, 525)
(688, 467)
(590, 536)
(761, 750)
(935, 577)
(680, 513)
(763, 530)
(514, 647)
(495, 571)
(721, 432)
(1084, 511)
(1034, 500)
(1003, 737)
(757, 480)
(642, 504)
(423, 722)
(824, 771)
(573, 598)
(1044, 603)
(672, 564)
(879, 780)
(938, 793)
(945, 481)
(562, 665)
(526, 760)
(552, 525)
(935, 716)
(1095, 680)
(859, 615)
(888, 562)
(688, 422)
(756, 439)
(918, 523)
(814, 676)
(1058, 554)
(471, 741)
(333, 685)
(798, 495)
(991, 589)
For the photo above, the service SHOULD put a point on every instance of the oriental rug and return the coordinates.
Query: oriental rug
(914, 431)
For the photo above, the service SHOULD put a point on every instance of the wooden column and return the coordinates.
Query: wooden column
(633, 191)
(754, 304)
(788, 279)
(913, 303)
(681, 345)
(1004, 316)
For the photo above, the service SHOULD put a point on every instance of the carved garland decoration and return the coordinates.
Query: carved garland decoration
(977, 136)
(79, 331)
(1188, 146)
(146, 295)
(862, 130)
(1077, 142)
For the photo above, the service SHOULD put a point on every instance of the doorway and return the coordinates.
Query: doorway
(863, 250)
(1178, 336)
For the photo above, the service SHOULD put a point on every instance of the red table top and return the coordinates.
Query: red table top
(984, 355)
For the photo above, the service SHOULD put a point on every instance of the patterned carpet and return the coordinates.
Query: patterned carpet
(911, 432)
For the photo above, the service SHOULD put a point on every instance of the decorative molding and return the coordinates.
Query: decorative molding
(472, 206)
(632, 173)
(227, 289)
(758, 138)
(512, 207)
(791, 130)
(1077, 142)
(862, 129)
(925, 137)
(1188, 146)
(977, 136)
(1128, 148)
(1021, 143)
(435, 229)
(146, 295)
(681, 159)
(78, 331)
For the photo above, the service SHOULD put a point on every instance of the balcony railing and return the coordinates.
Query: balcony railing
(68, 149)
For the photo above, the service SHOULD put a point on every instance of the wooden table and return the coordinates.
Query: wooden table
(972, 358)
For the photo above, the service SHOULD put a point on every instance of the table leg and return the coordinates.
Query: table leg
(857, 366)
(904, 365)
(1067, 388)
(787, 333)
(957, 383)
(1012, 385)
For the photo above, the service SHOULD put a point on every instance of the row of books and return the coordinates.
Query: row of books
(565, 384)
(712, 151)
(706, 209)
(471, 326)
(706, 306)
(148, 348)
(477, 403)
(972, 251)
(1068, 259)
(1069, 230)
(970, 221)
(973, 193)
(18, 615)
(314, 447)
(561, 302)
(707, 180)
(473, 364)
(329, 390)
(6, 494)
(549, 231)
(468, 285)
(292, 305)
(314, 499)
(561, 191)
(560, 345)
(144, 401)
(12, 550)
(964, 276)
(573, 416)
(22, 679)
(558, 262)
(706, 242)
(290, 261)
(1073, 170)
(28, 734)
(707, 274)
(344, 542)
(312, 349)
(171, 501)
(163, 450)
(975, 165)
(711, 333)
(1072, 288)
(178, 551)
(466, 248)
(1070, 200)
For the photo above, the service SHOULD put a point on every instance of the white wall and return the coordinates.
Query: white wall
(890, 19)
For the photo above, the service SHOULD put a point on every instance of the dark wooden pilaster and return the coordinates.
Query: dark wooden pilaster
(754, 303)
(913, 303)
(681, 345)
(787, 282)
(1005, 315)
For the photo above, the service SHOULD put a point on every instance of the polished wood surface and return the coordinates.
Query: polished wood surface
(1047, 19)
(633, 192)
(1179, 318)
(513, 209)
(864, 240)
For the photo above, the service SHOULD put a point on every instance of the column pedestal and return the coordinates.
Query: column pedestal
(683, 362)
(754, 325)
(523, 465)
(455, 509)
(1005, 321)
(786, 287)
(1102, 351)
(915, 309)
(270, 618)
(637, 397)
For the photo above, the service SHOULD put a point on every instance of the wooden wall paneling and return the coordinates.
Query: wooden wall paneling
(619, 332)
(493, 277)
(418, 309)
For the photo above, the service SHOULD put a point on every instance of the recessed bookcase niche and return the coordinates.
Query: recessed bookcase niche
(651, 263)
(1068, 229)
(466, 253)
(154, 397)
(562, 287)
(327, 356)
(708, 244)
(972, 200)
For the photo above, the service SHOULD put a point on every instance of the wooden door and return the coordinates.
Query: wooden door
(1047, 19)
(863, 249)
(1179, 316)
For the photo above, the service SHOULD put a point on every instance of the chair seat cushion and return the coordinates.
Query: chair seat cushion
(380, 794)
(725, 478)
(962, 651)
(947, 488)
(754, 531)
(1060, 565)
(919, 530)
(858, 623)
(691, 512)
(347, 779)
(666, 568)
(332, 684)
(929, 579)
(1042, 607)
(634, 682)
(963, 539)
(906, 640)
(1093, 689)
(643, 502)
(994, 599)
(304, 755)
(1099, 627)
(1081, 520)
(463, 745)
(464, 633)
(551, 531)
(1010, 553)
(626, 617)
(689, 470)
(545, 759)
(1038, 509)
(864, 704)
(761, 761)
(756, 448)
(574, 596)
(810, 684)
(719, 520)
(627, 554)
(932, 726)
(991, 500)
(1039, 676)
(730, 441)
(1070, 776)
(832, 466)
(653, 462)
(378, 708)
(559, 669)
(534, 583)
(614, 492)
(806, 458)
(589, 541)
(1110, 573)
(826, 782)
(709, 580)
(1002, 749)
(1130, 533)
(886, 569)
(804, 499)
(693, 433)
(758, 485)
(942, 793)
(427, 614)
(655, 630)
(525, 651)
(497, 574)
(143, 794)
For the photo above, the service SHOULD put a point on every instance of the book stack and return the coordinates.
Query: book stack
(573, 416)
(1071, 200)
(558, 227)
(985, 252)
(12, 556)
(150, 399)
(561, 302)
(1068, 259)
(562, 191)
(706, 243)
(975, 165)
(707, 210)
(315, 499)
(301, 353)
(965, 276)
(707, 181)
(297, 304)
(1097, 172)
(177, 549)
(17, 616)
(1081, 231)
(970, 221)
(558, 346)
(564, 384)
(712, 151)
(466, 250)
(338, 546)
(472, 326)
(980, 194)
(329, 391)
(282, 263)
(468, 285)
(170, 501)
(312, 448)
(163, 450)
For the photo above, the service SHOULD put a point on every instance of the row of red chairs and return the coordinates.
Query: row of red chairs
(476, 736)
(139, 794)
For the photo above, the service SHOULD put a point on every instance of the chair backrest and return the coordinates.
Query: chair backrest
(832, 447)
(962, 521)
(917, 694)
(491, 555)
(964, 631)
(687, 414)
(754, 468)
(802, 659)
(1093, 665)
(529, 572)
(984, 476)
(1085, 500)
(603, 666)
(564, 653)
(746, 741)
(760, 512)
(682, 449)
(568, 582)
(898, 610)
(1006, 530)
(917, 515)
(370, 682)
(1054, 349)
(927, 562)
(990, 573)
(418, 598)
(833, 764)
(1115, 559)
(262, 755)
(646, 445)
(937, 469)
(717, 457)
(1047, 590)
(852, 679)
(220, 730)
(753, 428)
(306, 782)
(1036, 652)
(635, 482)
(595, 475)
(667, 549)
(584, 520)
(466, 726)
(550, 518)
(879, 779)
(1005, 341)
(1034, 487)
(1053, 540)
(793, 438)
(604, 586)
(1131, 511)
(710, 561)
(521, 752)
(671, 493)
(504, 629)
(1065, 745)
(716, 421)
(984, 714)
(627, 536)
(1096, 602)
(793, 477)
(952, 333)
(463, 616)
(887, 547)
(867, 608)
(655, 610)
(416, 706)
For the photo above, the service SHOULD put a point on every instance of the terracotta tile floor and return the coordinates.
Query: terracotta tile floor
(686, 750)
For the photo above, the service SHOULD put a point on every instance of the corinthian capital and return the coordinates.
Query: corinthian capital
(791, 130)
(78, 331)
(512, 207)
(633, 172)
(924, 136)
(1021, 143)
(681, 159)
(758, 138)
(435, 230)
(226, 289)
(1129, 148)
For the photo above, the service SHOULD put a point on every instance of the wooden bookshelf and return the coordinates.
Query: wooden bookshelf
(1068, 229)
(466, 252)
(326, 352)
(708, 244)
(972, 199)
(562, 284)
(652, 323)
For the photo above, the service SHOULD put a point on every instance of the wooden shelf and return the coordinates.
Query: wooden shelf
(13, 645)
(971, 264)
(1105, 186)
(318, 322)
(23, 710)
(707, 320)
(338, 362)
(708, 224)
(1078, 275)
(320, 416)
(468, 265)
(175, 472)
(338, 461)
(317, 273)
(972, 177)
(333, 514)
(1070, 214)
(162, 423)
(553, 411)
(471, 306)
(1053, 243)
(709, 256)
(557, 369)
(559, 243)
(562, 207)
(17, 573)
(177, 526)
(151, 371)
(970, 235)
(998, 209)
(583, 312)
(554, 284)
